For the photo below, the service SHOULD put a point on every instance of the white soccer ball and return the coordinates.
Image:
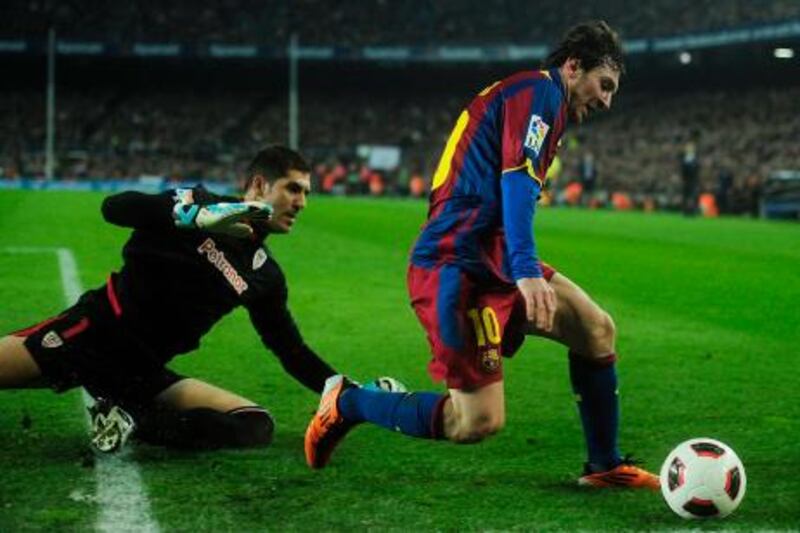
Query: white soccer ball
(387, 384)
(703, 478)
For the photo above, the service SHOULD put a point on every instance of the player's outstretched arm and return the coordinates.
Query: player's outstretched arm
(279, 333)
(132, 209)
(227, 218)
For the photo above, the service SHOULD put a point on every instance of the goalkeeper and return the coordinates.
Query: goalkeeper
(192, 258)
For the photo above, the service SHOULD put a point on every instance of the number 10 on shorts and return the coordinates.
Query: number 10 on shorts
(487, 328)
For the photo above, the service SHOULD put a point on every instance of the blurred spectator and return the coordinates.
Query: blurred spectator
(753, 190)
(417, 186)
(371, 22)
(708, 205)
(690, 172)
(724, 185)
(376, 184)
(203, 135)
(588, 176)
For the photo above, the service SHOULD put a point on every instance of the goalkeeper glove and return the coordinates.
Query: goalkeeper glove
(227, 218)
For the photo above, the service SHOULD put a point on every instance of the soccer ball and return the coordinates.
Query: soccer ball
(387, 384)
(703, 478)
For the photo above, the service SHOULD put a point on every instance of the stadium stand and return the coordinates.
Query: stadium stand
(637, 147)
(209, 136)
(372, 22)
(129, 130)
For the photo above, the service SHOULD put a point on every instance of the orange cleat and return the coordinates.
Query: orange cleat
(327, 427)
(625, 474)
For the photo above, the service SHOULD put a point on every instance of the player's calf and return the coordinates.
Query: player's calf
(470, 428)
(471, 416)
(343, 405)
(207, 429)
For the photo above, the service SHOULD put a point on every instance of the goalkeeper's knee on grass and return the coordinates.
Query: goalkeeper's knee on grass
(207, 429)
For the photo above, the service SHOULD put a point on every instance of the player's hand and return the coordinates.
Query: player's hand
(540, 302)
(232, 218)
(227, 218)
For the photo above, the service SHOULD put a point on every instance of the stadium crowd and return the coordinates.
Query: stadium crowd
(125, 133)
(638, 147)
(635, 150)
(371, 22)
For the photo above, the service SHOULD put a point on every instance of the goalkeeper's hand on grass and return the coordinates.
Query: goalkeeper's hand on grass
(226, 218)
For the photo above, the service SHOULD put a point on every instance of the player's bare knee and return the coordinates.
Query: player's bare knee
(602, 333)
(17, 366)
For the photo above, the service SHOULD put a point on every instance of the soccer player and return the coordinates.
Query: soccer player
(475, 279)
(192, 258)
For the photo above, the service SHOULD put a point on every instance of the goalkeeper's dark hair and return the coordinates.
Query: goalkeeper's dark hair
(592, 43)
(275, 162)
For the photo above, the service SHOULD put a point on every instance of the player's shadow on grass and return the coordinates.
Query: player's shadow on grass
(563, 486)
(283, 447)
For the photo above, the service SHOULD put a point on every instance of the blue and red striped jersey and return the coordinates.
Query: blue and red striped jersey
(513, 125)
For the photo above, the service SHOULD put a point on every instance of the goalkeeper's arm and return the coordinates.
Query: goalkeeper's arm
(133, 209)
(159, 211)
(278, 331)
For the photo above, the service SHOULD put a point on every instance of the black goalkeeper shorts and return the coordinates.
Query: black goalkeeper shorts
(87, 345)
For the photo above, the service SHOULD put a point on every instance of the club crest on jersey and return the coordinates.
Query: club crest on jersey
(259, 259)
(537, 131)
(218, 259)
(52, 340)
(490, 360)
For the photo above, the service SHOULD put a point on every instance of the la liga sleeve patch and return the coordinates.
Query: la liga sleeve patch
(537, 131)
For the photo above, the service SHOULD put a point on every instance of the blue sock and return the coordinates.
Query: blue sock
(595, 387)
(417, 414)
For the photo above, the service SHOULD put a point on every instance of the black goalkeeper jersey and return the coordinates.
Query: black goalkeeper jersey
(175, 284)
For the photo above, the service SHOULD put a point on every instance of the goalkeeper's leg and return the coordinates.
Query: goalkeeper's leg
(192, 414)
(17, 367)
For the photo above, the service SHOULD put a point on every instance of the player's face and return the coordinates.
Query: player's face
(592, 91)
(288, 196)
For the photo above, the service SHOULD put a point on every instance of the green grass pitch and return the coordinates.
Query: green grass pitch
(709, 338)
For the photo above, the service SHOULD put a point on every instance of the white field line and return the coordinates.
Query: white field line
(121, 496)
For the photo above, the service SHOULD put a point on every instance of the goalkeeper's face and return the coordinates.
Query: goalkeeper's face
(287, 196)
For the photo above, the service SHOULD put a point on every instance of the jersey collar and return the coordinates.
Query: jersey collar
(555, 75)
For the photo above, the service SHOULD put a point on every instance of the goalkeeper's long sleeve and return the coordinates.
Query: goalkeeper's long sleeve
(278, 331)
(132, 209)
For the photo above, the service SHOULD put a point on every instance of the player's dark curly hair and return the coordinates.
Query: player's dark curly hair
(593, 43)
(275, 162)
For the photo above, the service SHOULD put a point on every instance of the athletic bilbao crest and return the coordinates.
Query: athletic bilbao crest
(259, 259)
(52, 340)
(537, 131)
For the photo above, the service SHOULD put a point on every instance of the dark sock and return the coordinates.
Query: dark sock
(595, 386)
(205, 428)
(254, 427)
(418, 414)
